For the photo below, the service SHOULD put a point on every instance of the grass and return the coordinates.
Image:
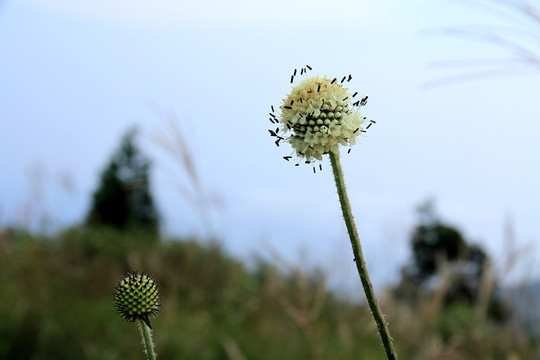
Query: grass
(56, 303)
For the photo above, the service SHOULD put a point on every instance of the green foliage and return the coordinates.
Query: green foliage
(57, 295)
(123, 198)
(57, 303)
(440, 250)
(451, 293)
(434, 243)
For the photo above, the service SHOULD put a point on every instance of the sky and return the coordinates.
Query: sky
(75, 76)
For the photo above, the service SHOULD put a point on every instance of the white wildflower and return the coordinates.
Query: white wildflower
(318, 116)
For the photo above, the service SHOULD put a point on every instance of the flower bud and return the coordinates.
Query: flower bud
(137, 296)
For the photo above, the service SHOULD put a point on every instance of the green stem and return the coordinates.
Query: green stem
(146, 335)
(359, 258)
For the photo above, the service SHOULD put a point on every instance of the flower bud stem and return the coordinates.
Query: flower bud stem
(146, 335)
(359, 257)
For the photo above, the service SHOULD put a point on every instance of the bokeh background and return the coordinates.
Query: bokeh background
(453, 86)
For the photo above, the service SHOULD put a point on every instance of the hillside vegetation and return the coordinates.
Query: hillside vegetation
(56, 303)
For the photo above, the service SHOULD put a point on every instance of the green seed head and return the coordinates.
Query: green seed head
(137, 296)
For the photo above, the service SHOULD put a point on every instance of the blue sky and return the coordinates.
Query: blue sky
(74, 76)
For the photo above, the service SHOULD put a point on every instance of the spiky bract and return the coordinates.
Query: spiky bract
(137, 296)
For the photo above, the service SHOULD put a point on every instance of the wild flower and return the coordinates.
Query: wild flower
(317, 116)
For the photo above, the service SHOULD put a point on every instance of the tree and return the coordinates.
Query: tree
(123, 199)
(435, 244)
(439, 250)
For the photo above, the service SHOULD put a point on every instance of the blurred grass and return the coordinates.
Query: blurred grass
(56, 303)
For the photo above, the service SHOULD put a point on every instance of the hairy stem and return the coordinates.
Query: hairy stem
(387, 340)
(146, 335)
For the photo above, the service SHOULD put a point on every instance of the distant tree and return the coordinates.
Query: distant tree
(436, 244)
(123, 198)
(439, 247)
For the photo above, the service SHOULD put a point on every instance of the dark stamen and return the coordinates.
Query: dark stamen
(364, 101)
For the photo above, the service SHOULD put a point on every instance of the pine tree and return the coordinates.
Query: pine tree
(123, 199)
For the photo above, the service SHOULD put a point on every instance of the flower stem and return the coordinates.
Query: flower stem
(146, 335)
(359, 258)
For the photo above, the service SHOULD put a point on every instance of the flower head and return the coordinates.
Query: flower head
(137, 296)
(317, 116)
